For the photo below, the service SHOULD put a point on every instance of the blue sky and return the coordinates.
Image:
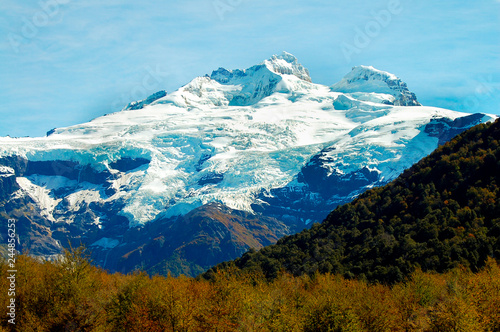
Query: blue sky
(63, 62)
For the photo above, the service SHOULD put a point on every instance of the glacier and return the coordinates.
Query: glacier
(265, 140)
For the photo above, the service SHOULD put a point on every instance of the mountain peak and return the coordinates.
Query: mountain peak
(370, 71)
(283, 64)
(287, 64)
(257, 82)
(367, 79)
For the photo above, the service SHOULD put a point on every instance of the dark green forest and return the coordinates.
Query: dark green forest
(441, 213)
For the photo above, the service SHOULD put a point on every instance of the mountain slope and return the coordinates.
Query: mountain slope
(192, 243)
(442, 212)
(265, 140)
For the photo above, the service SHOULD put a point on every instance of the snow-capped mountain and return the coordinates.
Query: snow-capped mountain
(370, 84)
(265, 140)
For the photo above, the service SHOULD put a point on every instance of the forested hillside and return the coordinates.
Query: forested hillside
(441, 213)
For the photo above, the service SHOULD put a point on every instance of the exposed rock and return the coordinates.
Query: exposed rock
(128, 164)
(137, 105)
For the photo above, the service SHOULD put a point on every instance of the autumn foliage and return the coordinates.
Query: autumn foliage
(72, 295)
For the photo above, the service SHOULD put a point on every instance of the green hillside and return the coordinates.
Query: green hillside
(441, 213)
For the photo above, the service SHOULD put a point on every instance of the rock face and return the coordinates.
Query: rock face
(137, 105)
(263, 152)
(8, 184)
(445, 129)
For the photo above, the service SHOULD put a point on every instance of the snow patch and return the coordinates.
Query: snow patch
(6, 172)
(40, 195)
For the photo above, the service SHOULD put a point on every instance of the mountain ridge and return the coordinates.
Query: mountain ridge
(264, 140)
